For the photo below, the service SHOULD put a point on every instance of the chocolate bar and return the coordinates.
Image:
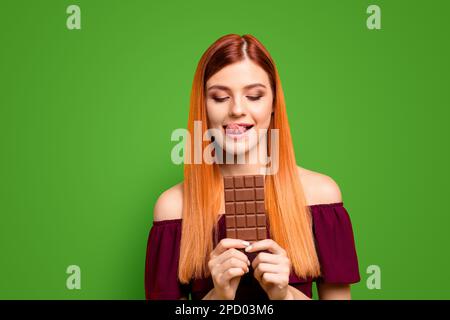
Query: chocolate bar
(245, 212)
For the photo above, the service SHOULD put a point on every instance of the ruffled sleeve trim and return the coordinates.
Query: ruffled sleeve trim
(335, 244)
(161, 265)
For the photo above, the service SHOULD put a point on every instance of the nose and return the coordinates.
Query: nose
(237, 109)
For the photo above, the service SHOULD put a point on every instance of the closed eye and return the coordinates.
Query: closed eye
(220, 99)
(254, 98)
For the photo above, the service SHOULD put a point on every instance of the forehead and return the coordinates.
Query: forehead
(239, 74)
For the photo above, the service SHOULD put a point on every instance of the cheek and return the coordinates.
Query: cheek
(215, 115)
(262, 115)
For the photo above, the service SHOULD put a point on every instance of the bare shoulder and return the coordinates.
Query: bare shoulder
(319, 188)
(169, 204)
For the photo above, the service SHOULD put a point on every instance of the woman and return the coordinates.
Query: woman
(237, 92)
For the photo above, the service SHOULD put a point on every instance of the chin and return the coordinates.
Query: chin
(239, 149)
(237, 146)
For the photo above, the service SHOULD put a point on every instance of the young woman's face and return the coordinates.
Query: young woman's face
(239, 103)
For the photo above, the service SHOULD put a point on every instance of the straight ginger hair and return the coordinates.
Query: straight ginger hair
(289, 216)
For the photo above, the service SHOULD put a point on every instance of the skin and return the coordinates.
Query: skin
(230, 99)
(246, 98)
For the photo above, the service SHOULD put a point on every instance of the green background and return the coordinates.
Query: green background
(86, 117)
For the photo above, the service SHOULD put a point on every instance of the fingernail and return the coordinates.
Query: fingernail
(248, 248)
(245, 243)
(248, 262)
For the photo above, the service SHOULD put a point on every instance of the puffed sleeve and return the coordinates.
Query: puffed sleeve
(335, 244)
(161, 264)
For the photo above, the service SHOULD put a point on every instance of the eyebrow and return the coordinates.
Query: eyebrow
(250, 86)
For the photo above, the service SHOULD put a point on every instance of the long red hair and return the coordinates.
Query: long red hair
(289, 216)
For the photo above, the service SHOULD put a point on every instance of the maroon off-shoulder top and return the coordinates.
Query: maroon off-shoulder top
(333, 235)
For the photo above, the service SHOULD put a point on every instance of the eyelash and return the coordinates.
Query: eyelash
(217, 99)
(251, 98)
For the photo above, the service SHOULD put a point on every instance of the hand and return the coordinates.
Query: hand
(272, 270)
(227, 265)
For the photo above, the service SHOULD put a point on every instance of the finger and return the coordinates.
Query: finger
(234, 263)
(232, 253)
(267, 258)
(266, 244)
(266, 267)
(271, 268)
(228, 243)
(275, 279)
(230, 274)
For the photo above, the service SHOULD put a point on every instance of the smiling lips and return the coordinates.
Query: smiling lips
(237, 129)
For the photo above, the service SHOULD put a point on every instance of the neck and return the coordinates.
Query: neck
(241, 169)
